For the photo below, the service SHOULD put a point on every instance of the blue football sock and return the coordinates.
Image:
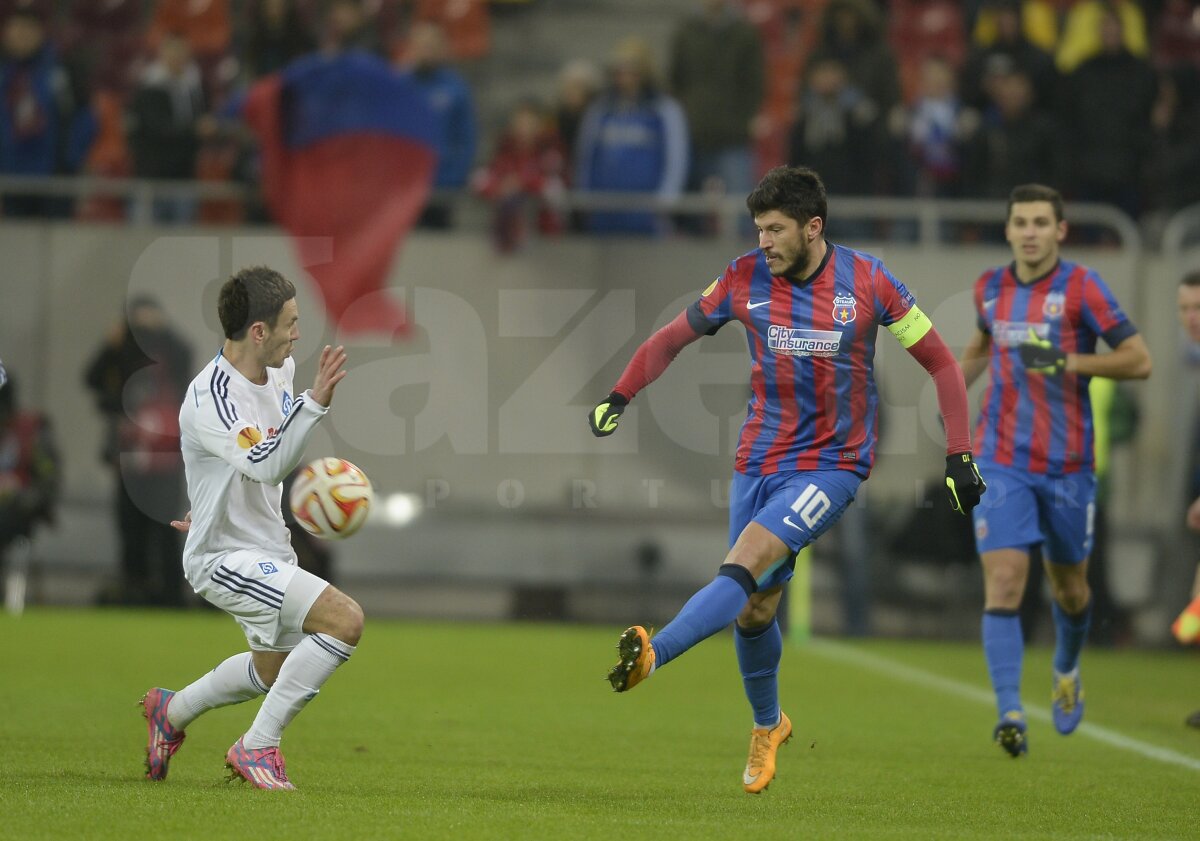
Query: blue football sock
(712, 608)
(759, 651)
(1071, 632)
(1004, 649)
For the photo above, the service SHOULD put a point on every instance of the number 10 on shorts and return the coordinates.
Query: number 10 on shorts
(811, 505)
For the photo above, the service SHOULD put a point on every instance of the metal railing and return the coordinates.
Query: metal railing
(1181, 231)
(925, 218)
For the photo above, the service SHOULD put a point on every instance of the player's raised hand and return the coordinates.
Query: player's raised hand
(329, 373)
(184, 524)
(964, 485)
(1040, 356)
(604, 418)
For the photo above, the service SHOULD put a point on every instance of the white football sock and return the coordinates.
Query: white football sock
(231, 682)
(304, 671)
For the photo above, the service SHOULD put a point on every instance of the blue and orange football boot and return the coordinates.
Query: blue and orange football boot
(163, 739)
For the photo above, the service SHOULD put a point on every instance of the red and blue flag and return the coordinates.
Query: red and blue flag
(348, 151)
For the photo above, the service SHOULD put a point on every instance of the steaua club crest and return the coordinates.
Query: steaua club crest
(843, 309)
(1052, 307)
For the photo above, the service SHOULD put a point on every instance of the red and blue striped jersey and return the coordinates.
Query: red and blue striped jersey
(1034, 422)
(813, 403)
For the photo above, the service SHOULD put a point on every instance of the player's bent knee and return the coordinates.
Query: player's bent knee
(353, 620)
(346, 624)
(755, 615)
(336, 614)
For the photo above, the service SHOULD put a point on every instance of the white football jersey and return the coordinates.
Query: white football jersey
(240, 441)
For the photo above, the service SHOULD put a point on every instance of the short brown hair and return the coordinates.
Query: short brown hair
(253, 294)
(1192, 278)
(1036, 192)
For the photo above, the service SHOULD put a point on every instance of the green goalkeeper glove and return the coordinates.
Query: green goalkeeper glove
(964, 485)
(1039, 356)
(603, 419)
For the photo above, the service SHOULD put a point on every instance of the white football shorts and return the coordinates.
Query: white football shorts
(268, 598)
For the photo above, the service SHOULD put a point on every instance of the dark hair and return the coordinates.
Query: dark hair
(1036, 192)
(1192, 278)
(254, 294)
(794, 191)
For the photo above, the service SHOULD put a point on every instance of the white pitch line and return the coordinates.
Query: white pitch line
(848, 653)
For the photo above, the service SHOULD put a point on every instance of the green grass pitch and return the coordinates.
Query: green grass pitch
(471, 731)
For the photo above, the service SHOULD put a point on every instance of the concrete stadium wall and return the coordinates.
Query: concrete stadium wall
(486, 402)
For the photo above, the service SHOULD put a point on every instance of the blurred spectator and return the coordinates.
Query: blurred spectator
(836, 130)
(634, 138)
(937, 126)
(852, 31)
(717, 74)
(1037, 23)
(467, 24)
(29, 469)
(526, 174)
(138, 378)
(276, 33)
(167, 120)
(45, 124)
(109, 156)
(205, 25)
(1177, 34)
(1008, 50)
(1173, 177)
(789, 29)
(922, 29)
(578, 84)
(1082, 36)
(1106, 110)
(348, 26)
(426, 59)
(105, 37)
(1015, 144)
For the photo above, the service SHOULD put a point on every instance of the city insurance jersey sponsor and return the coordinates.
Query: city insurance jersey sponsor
(813, 401)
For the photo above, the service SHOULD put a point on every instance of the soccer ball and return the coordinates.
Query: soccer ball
(331, 498)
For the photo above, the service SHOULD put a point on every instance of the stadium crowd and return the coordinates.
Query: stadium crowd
(933, 98)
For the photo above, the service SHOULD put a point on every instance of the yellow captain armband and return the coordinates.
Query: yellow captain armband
(912, 328)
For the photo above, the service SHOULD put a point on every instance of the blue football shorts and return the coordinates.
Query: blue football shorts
(797, 507)
(1022, 509)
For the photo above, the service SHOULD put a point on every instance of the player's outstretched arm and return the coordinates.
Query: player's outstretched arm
(330, 372)
(647, 364)
(964, 484)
